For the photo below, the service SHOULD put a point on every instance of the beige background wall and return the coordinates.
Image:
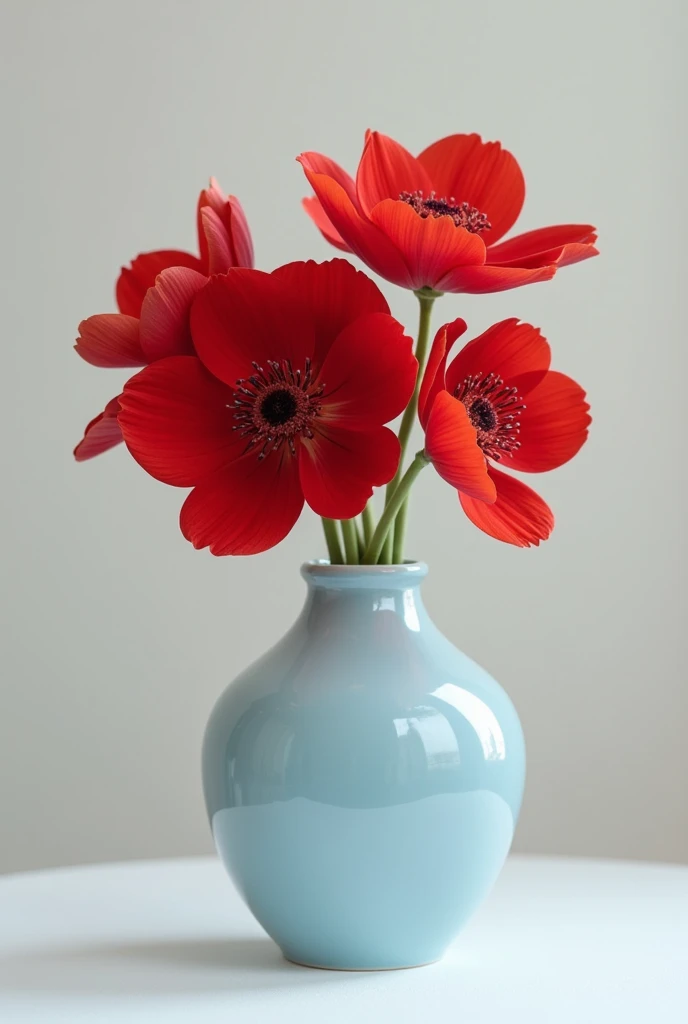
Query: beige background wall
(117, 636)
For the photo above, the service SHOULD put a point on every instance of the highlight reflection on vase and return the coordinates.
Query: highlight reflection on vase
(364, 777)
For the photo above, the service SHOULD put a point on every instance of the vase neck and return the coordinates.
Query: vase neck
(374, 593)
(320, 575)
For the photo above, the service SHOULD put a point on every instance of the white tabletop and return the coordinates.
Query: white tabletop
(558, 942)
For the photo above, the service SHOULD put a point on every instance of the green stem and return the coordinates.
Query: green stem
(360, 545)
(409, 417)
(350, 541)
(388, 547)
(400, 533)
(334, 548)
(395, 502)
(392, 549)
(368, 518)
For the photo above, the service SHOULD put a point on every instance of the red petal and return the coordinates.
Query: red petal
(247, 316)
(480, 280)
(134, 281)
(216, 242)
(519, 516)
(562, 256)
(211, 198)
(554, 425)
(363, 238)
(223, 232)
(433, 378)
(540, 243)
(110, 339)
(316, 163)
(369, 373)
(431, 246)
(102, 433)
(509, 350)
(239, 232)
(479, 173)
(314, 209)
(165, 313)
(451, 445)
(177, 421)
(334, 294)
(386, 170)
(339, 468)
(244, 508)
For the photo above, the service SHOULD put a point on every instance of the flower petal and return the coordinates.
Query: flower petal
(102, 433)
(362, 237)
(111, 340)
(431, 246)
(164, 321)
(239, 232)
(369, 373)
(339, 468)
(479, 173)
(519, 516)
(247, 316)
(386, 170)
(554, 425)
(508, 349)
(313, 208)
(433, 378)
(481, 280)
(335, 295)
(134, 281)
(561, 256)
(217, 243)
(533, 243)
(224, 237)
(211, 198)
(452, 447)
(177, 421)
(319, 164)
(246, 507)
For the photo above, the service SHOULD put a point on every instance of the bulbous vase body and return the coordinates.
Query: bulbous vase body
(364, 777)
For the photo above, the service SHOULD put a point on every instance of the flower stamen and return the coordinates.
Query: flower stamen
(494, 411)
(275, 406)
(463, 214)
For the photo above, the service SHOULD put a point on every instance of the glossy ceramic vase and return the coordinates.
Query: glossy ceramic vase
(364, 777)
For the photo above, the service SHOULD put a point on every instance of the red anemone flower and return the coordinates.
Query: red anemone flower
(433, 221)
(118, 340)
(498, 402)
(295, 374)
(224, 241)
(154, 296)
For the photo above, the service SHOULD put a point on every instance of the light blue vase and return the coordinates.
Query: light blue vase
(364, 777)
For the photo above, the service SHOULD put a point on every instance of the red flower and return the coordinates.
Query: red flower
(224, 241)
(498, 402)
(433, 221)
(154, 296)
(296, 372)
(118, 340)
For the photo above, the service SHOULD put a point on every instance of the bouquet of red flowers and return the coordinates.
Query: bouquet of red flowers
(264, 391)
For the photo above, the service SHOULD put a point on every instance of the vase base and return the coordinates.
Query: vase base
(358, 970)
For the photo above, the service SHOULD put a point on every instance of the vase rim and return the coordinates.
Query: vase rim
(319, 571)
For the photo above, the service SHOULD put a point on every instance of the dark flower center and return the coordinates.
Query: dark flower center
(463, 214)
(494, 410)
(276, 406)
(482, 415)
